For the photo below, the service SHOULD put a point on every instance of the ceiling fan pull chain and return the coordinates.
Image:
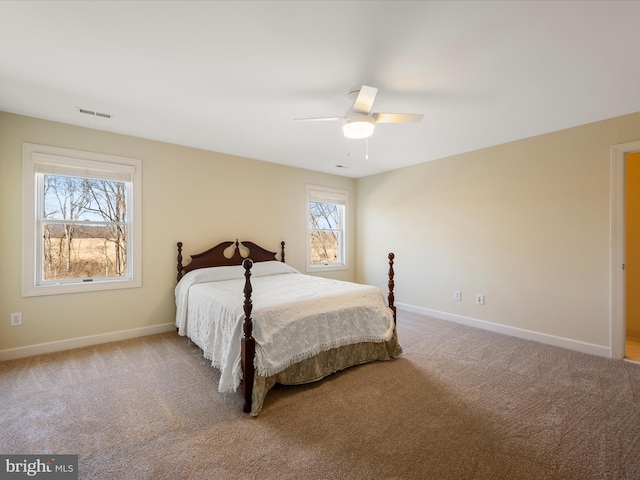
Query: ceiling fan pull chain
(366, 153)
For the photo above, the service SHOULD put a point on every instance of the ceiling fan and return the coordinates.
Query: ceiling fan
(359, 121)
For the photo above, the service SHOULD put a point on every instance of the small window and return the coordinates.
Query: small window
(81, 214)
(326, 237)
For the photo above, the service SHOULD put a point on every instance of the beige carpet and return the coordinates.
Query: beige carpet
(461, 403)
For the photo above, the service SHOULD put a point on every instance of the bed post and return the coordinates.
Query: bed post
(179, 260)
(248, 342)
(282, 252)
(391, 285)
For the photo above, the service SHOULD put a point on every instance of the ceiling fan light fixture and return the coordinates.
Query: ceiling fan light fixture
(359, 126)
(360, 121)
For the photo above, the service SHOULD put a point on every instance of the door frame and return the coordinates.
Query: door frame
(618, 239)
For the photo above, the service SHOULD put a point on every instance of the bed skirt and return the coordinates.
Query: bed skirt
(324, 364)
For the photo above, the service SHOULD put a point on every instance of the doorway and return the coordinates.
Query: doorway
(632, 256)
(618, 332)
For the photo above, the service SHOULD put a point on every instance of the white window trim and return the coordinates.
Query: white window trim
(343, 195)
(67, 156)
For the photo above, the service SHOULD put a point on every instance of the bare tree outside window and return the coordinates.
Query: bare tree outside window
(84, 228)
(325, 231)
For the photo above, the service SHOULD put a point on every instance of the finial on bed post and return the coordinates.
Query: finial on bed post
(282, 252)
(248, 351)
(179, 260)
(391, 286)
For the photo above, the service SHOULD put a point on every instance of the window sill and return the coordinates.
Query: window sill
(97, 286)
(325, 268)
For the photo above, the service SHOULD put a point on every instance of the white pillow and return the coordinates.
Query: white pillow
(217, 274)
(273, 267)
(212, 274)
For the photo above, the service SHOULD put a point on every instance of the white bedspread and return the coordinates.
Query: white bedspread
(295, 316)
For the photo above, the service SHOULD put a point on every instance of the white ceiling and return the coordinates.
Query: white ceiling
(231, 76)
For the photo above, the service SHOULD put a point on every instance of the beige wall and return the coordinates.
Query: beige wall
(526, 223)
(189, 195)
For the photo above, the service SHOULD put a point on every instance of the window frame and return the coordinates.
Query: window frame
(342, 198)
(33, 158)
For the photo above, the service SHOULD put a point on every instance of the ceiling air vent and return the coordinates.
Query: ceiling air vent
(95, 114)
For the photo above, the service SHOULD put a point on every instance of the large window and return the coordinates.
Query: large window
(326, 220)
(81, 214)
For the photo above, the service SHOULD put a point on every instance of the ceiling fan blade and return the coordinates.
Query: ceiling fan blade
(319, 119)
(365, 98)
(397, 117)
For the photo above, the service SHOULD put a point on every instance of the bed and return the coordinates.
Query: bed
(262, 322)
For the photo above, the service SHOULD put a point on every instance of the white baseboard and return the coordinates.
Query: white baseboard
(20, 352)
(577, 345)
(563, 342)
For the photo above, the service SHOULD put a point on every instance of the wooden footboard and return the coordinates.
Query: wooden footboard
(248, 345)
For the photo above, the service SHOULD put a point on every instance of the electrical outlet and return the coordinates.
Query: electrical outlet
(16, 319)
(457, 295)
(479, 299)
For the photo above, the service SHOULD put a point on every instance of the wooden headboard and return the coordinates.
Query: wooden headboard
(214, 257)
